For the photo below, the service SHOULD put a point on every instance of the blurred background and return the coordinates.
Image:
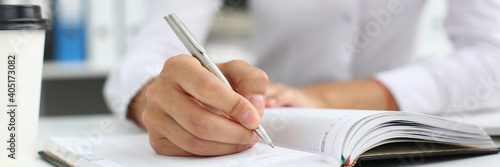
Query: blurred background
(89, 37)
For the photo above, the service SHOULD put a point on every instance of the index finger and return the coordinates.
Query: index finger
(207, 88)
(247, 80)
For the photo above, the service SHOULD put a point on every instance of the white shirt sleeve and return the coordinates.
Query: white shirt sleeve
(468, 79)
(155, 43)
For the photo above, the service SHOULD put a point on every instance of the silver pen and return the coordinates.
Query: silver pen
(199, 53)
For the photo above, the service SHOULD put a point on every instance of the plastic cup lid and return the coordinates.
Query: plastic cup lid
(22, 17)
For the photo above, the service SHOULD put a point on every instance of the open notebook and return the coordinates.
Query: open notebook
(318, 137)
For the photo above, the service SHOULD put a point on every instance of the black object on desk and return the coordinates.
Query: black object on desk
(52, 159)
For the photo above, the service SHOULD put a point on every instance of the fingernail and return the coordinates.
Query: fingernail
(249, 119)
(257, 101)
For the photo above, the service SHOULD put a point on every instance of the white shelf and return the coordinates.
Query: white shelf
(53, 70)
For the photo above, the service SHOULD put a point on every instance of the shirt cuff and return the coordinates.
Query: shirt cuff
(120, 95)
(413, 89)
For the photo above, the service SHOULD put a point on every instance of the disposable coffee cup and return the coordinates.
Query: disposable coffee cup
(22, 36)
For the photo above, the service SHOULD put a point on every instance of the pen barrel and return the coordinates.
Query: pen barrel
(263, 135)
(199, 53)
(213, 68)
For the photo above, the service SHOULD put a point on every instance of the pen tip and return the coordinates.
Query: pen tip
(271, 144)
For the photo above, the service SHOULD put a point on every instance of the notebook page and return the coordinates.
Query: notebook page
(312, 130)
(487, 119)
(260, 154)
(134, 150)
(418, 127)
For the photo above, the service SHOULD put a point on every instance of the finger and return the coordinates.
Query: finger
(207, 88)
(248, 81)
(159, 143)
(164, 146)
(271, 94)
(166, 126)
(283, 97)
(196, 119)
(287, 98)
(279, 99)
(273, 88)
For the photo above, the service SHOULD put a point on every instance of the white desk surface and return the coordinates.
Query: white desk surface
(78, 126)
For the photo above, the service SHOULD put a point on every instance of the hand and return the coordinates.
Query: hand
(176, 108)
(359, 94)
(280, 95)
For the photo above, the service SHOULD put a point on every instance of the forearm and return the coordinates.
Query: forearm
(360, 94)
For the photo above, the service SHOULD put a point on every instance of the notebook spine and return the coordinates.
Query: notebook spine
(62, 153)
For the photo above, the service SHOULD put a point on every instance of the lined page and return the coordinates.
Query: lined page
(135, 150)
(307, 129)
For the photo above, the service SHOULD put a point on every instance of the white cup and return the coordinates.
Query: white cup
(22, 38)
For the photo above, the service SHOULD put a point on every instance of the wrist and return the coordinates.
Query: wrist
(366, 94)
(316, 96)
(390, 102)
(138, 104)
